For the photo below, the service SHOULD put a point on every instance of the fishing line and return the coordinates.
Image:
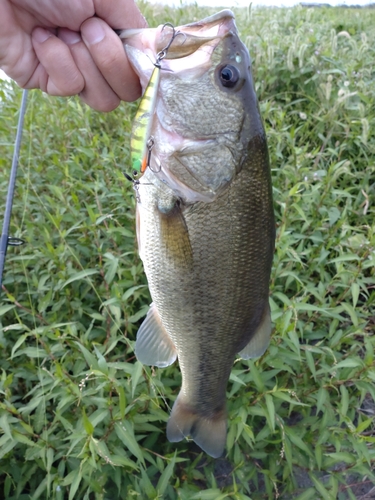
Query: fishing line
(5, 239)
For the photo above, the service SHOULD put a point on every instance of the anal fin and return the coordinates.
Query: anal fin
(261, 338)
(153, 346)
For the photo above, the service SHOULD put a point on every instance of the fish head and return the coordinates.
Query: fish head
(206, 109)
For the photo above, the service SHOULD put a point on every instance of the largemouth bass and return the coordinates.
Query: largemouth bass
(205, 223)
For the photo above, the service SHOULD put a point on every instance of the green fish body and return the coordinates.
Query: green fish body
(205, 222)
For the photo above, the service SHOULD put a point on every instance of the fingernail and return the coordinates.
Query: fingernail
(40, 35)
(69, 37)
(93, 33)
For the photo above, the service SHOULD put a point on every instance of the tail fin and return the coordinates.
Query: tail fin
(209, 433)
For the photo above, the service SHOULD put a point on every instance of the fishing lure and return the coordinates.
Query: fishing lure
(141, 142)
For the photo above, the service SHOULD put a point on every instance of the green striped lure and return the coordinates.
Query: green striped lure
(142, 142)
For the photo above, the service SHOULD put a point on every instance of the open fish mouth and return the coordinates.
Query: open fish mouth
(197, 34)
(188, 52)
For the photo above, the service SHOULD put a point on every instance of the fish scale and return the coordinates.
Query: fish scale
(205, 226)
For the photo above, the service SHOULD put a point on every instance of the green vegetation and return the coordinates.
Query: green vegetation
(80, 418)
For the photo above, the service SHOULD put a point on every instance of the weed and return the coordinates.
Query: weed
(79, 416)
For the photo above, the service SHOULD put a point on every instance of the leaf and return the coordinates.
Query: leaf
(364, 425)
(5, 308)
(137, 373)
(342, 456)
(42, 488)
(256, 376)
(112, 268)
(50, 458)
(121, 461)
(79, 276)
(270, 411)
(130, 291)
(209, 494)
(284, 396)
(138, 315)
(7, 447)
(321, 399)
(122, 400)
(21, 438)
(147, 485)
(310, 363)
(345, 258)
(285, 320)
(89, 428)
(90, 359)
(235, 378)
(309, 494)
(355, 293)
(102, 363)
(297, 441)
(334, 215)
(39, 415)
(77, 476)
(351, 311)
(19, 342)
(347, 363)
(99, 415)
(344, 400)
(319, 455)
(319, 486)
(31, 352)
(165, 476)
(4, 426)
(7, 486)
(125, 432)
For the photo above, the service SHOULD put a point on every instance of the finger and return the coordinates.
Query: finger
(109, 55)
(120, 14)
(57, 73)
(17, 56)
(96, 92)
(69, 13)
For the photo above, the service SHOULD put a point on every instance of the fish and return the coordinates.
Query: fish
(204, 218)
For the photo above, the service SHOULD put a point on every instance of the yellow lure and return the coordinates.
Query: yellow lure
(142, 124)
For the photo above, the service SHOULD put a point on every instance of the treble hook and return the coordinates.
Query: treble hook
(150, 145)
(160, 55)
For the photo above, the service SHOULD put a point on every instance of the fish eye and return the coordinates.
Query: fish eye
(229, 76)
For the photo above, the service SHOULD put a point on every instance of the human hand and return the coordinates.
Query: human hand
(67, 48)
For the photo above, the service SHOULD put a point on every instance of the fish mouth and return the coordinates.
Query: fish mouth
(197, 34)
(207, 32)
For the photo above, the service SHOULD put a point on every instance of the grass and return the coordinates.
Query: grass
(80, 418)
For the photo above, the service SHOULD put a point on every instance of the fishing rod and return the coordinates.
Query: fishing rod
(5, 239)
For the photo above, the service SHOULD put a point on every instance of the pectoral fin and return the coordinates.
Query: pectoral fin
(175, 237)
(261, 338)
(153, 346)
